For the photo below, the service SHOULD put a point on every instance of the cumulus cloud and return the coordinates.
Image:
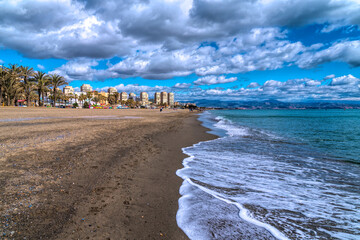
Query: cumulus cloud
(344, 80)
(162, 39)
(1, 61)
(344, 87)
(182, 85)
(41, 67)
(348, 52)
(69, 29)
(329, 76)
(211, 80)
(253, 85)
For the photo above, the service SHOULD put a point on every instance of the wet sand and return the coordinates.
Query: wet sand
(92, 173)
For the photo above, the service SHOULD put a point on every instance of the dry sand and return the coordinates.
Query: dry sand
(92, 173)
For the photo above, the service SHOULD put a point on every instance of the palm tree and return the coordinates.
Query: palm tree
(10, 84)
(27, 82)
(82, 98)
(3, 75)
(56, 81)
(89, 95)
(96, 99)
(11, 88)
(43, 81)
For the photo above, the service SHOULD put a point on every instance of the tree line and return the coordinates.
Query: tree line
(25, 84)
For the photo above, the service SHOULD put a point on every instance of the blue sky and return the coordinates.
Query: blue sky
(199, 49)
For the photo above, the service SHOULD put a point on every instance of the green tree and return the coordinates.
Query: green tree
(130, 103)
(42, 83)
(56, 81)
(96, 99)
(86, 104)
(112, 99)
(117, 97)
(3, 75)
(27, 83)
(11, 84)
(89, 95)
(82, 98)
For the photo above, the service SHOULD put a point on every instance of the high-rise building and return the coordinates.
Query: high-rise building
(164, 98)
(123, 96)
(171, 99)
(86, 88)
(157, 98)
(112, 90)
(68, 90)
(144, 98)
(132, 96)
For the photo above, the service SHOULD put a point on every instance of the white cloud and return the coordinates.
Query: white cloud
(344, 80)
(41, 67)
(329, 76)
(344, 87)
(70, 29)
(1, 61)
(164, 39)
(347, 51)
(211, 80)
(253, 85)
(182, 85)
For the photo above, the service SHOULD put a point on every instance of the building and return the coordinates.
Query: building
(164, 98)
(171, 99)
(103, 97)
(68, 90)
(86, 88)
(157, 98)
(132, 96)
(144, 98)
(112, 90)
(123, 96)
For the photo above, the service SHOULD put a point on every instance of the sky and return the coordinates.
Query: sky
(297, 50)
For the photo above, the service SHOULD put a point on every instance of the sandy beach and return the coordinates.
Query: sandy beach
(92, 173)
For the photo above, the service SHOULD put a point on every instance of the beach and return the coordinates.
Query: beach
(93, 173)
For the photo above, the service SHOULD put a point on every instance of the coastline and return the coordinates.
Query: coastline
(95, 182)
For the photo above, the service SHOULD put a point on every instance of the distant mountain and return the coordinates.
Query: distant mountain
(275, 104)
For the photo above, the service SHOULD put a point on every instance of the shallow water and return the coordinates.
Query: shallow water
(291, 174)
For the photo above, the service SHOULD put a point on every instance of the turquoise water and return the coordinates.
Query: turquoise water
(334, 132)
(274, 174)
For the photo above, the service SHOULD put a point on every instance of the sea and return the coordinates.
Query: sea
(273, 174)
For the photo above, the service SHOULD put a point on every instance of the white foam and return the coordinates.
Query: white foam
(243, 214)
(230, 128)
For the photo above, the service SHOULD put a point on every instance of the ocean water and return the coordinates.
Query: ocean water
(273, 174)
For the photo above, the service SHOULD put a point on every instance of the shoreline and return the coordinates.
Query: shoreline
(80, 189)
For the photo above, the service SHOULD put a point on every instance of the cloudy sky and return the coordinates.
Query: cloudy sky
(288, 50)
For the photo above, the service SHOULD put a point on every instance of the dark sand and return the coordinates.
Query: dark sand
(71, 176)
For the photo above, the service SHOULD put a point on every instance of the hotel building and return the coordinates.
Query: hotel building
(164, 98)
(157, 98)
(144, 98)
(86, 88)
(112, 90)
(132, 96)
(171, 99)
(68, 90)
(123, 96)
